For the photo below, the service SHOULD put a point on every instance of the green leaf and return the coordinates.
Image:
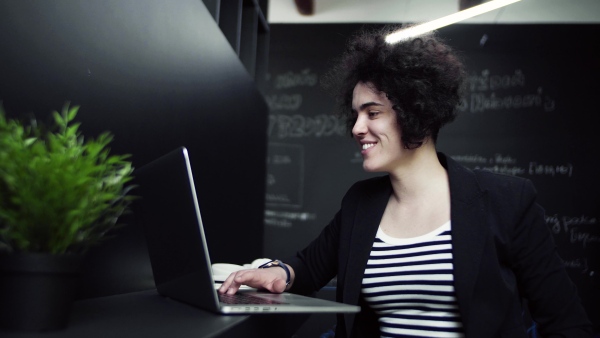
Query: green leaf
(58, 191)
(72, 113)
(58, 119)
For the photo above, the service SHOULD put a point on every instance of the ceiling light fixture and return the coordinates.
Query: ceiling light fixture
(405, 33)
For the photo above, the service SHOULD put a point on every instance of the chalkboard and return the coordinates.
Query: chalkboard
(529, 112)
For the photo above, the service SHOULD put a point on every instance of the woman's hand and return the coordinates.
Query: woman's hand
(272, 279)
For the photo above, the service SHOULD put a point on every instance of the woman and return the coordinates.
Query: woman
(432, 249)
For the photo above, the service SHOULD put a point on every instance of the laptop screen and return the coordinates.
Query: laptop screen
(177, 247)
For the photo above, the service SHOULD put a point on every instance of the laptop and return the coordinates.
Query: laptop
(179, 256)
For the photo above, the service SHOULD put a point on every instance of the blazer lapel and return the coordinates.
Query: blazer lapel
(369, 211)
(468, 232)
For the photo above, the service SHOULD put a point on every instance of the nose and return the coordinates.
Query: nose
(360, 127)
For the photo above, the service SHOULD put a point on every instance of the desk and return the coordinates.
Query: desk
(146, 314)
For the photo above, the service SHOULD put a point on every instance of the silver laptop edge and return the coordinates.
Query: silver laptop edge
(178, 271)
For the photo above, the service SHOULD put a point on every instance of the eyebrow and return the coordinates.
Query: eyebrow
(368, 104)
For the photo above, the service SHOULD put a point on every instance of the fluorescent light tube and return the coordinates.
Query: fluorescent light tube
(405, 33)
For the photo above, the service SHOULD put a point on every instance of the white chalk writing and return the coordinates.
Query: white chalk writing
(486, 81)
(476, 158)
(504, 169)
(291, 215)
(284, 101)
(271, 179)
(574, 227)
(282, 223)
(536, 168)
(480, 100)
(580, 264)
(504, 159)
(507, 164)
(279, 159)
(585, 238)
(277, 198)
(291, 79)
(284, 218)
(296, 126)
(470, 158)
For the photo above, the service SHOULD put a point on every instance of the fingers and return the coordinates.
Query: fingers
(267, 279)
(229, 286)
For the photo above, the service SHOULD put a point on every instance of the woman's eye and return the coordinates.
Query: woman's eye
(373, 113)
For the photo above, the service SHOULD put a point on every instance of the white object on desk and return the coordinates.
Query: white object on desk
(221, 271)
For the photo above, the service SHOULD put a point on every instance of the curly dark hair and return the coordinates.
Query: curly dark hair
(423, 77)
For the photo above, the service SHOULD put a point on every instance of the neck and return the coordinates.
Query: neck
(419, 176)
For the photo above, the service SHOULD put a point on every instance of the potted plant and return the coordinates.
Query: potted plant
(59, 195)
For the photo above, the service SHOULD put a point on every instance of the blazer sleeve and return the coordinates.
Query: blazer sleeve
(552, 297)
(327, 255)
(316, 265)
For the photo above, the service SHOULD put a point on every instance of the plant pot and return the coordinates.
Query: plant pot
(37, 290)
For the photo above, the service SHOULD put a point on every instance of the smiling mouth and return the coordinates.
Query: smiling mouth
(367, 146)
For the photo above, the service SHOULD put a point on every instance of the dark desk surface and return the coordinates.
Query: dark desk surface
(147, 314)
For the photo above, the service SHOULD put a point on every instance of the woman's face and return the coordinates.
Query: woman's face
(376, 129)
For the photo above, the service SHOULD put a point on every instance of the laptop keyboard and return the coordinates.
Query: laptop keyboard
(241, 298)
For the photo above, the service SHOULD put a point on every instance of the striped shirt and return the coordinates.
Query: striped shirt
(408, 282)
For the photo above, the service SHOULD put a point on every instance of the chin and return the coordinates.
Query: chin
(371, 169)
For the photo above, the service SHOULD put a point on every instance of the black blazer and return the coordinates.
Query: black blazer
(503, 253)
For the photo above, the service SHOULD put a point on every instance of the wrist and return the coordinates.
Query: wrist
(278, 263)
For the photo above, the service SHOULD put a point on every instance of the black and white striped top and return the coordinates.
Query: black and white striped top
(409, 284)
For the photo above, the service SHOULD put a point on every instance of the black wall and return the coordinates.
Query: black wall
(157, 74)
(530, 112)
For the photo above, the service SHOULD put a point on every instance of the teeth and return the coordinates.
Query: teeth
(367, 145)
